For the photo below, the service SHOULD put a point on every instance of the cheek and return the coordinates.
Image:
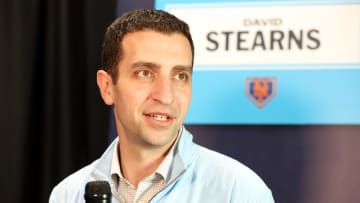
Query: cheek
(129, 99)
(184, 97)
(123, 97)
(133, 98)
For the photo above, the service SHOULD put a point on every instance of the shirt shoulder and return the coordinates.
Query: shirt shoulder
(221, 162)
(243, 182)
(72, 188)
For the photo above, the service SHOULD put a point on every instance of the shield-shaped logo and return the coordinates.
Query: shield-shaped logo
(261, 90)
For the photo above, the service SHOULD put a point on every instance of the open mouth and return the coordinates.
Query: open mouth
(159, 117)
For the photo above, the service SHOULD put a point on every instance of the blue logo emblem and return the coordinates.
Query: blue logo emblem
(261, 90)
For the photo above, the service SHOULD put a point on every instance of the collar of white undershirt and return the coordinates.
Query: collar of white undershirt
(162, 170)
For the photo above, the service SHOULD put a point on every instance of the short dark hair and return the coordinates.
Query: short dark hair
(138, 20)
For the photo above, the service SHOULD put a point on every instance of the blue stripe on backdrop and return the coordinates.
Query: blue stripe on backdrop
(303, 97)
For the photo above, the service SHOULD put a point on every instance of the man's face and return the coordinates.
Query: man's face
(153, 91)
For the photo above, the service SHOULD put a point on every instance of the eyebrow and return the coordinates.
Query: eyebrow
(145, 64)
(157, 66)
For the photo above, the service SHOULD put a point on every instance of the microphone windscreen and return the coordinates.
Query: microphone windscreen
(97, 190)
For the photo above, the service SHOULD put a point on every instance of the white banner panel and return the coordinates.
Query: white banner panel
(229, 33)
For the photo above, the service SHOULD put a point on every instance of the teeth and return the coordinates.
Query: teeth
(159, 117)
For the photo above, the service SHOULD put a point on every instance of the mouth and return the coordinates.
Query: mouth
(159, 117)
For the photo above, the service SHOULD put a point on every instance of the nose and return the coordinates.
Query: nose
(163, 91)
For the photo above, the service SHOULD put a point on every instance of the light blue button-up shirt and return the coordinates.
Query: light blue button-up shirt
(197, 174)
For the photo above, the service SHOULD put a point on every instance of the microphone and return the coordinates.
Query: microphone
(97, 192)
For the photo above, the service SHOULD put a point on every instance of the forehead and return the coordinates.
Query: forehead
(156, 45)
(151, 36)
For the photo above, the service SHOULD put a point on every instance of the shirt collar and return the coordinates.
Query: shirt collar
(162, 170)
(166, 164)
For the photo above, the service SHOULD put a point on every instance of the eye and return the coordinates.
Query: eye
(181, 76)
(144, 74)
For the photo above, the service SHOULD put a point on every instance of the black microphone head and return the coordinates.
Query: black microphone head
(97, 191)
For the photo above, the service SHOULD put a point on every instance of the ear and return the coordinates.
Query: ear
(104, 82)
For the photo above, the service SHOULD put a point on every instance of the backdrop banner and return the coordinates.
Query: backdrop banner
(273, 62)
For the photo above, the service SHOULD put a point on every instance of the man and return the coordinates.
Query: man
(147, 72)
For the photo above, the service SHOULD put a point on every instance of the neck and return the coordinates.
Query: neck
(138, 163)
